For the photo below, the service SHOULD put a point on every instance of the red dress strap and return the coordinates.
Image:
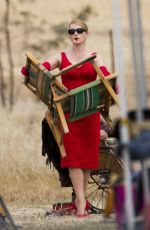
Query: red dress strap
(64, 61)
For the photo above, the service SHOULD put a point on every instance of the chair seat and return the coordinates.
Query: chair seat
(84, 100)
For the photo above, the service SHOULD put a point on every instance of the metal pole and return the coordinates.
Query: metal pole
(137, 56)
(119, 63)
(139, 73)
(112, 50)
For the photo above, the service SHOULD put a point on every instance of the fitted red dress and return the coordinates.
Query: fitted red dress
(82, 141)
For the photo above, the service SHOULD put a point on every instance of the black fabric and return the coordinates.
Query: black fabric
(51, 150)
(132, 115)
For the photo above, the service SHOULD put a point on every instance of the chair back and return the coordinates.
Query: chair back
(38, 80)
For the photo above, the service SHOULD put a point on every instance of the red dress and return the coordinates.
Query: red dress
(82, 141)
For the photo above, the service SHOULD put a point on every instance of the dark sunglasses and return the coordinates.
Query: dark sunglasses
(78, 30)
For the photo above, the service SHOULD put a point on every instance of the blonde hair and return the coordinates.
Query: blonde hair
(80, 23)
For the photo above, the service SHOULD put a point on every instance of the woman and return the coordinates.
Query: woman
(82, 141)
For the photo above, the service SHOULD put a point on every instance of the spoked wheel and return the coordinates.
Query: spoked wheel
(99, 183)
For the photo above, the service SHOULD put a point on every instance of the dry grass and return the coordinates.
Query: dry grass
(24, 177)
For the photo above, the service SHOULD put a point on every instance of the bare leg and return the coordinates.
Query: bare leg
(77, 178)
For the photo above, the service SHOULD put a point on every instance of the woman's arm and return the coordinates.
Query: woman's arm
(100, 63)
(54, 62)
(50, 64)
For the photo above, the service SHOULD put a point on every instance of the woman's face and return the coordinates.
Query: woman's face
(77, 34)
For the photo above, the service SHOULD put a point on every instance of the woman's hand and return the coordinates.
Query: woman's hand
(103, 135)
(117, 89)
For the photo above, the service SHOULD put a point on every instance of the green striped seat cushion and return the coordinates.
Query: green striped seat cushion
(40, 81)
(84, 100)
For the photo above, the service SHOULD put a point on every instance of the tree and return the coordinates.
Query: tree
(2, 84)
(9, 52)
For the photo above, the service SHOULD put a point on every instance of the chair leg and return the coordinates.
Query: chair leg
(60, 111)
(56, 132)
(62, 118)
(106, 83)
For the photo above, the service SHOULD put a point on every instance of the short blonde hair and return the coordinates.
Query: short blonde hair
(80, 23)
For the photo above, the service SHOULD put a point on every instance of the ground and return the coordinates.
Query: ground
(35, 218)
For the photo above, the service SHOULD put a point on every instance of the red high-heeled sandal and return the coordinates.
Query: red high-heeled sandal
(87, 205)
(74, 205)
(86, 214)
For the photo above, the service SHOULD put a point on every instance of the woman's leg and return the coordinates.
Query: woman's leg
(77, 178)
(86, 180)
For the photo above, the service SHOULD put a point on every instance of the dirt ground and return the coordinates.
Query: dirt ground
(35, 218)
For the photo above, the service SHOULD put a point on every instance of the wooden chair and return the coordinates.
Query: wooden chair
(82, 101)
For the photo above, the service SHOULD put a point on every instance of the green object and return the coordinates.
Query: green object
(84, 100)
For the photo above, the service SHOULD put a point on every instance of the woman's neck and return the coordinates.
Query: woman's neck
(78, 49)
(78, 52)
